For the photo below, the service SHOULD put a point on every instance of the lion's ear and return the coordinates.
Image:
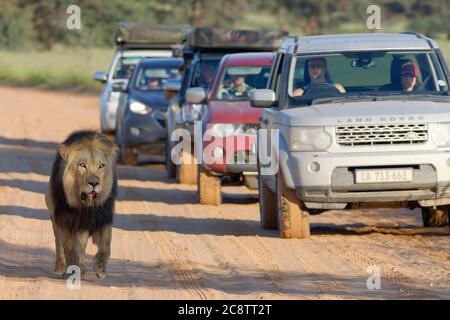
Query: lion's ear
(114, 154)
(63, 151)
(111, 153)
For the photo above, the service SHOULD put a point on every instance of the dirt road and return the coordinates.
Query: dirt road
(165, 246)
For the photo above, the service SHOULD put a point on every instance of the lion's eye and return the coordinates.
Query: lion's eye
(101, 166)
(83, 165)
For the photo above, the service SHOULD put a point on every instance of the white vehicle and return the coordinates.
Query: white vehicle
(363, 121)
(135, 42)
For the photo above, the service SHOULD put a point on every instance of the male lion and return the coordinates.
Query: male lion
(80, 199)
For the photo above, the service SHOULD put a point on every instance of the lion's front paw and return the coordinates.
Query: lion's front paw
(60, 268)
(75, 273)
(100, 272)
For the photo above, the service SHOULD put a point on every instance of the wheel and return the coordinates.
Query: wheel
(187, 169)
(267, 205)
(209, 188)
(130, 157)
(435, 217)
(292, 214)
(171, 169)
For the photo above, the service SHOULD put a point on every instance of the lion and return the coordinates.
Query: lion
(80, 199)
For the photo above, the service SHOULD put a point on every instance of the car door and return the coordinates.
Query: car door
(269, 161)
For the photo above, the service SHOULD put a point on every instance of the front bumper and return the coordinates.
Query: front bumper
(335, 182)
(144, 129)
(239, 154)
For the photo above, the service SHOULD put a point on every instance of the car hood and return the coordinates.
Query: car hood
(232, 112)
(154, 99)
(366, 112)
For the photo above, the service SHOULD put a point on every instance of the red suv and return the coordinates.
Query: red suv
(230, 125)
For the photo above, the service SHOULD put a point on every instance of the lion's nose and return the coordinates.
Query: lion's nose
(93, 181)
(93, 184)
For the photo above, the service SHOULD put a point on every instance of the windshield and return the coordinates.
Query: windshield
(125, 66)
(151, 78)
(353, 74)
(204, 73)
(237, 82)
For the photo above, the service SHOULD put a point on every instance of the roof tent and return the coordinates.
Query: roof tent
(230, 39)
(158, 36)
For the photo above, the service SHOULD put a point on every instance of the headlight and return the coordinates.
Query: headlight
(222, 130)
(139, 107)
(441, 135)
(309, 139)
(193, 112)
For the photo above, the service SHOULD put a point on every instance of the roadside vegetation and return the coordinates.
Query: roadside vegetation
(36, 48)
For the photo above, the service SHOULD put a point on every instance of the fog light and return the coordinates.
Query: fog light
(134, 131)
(218, 152)
(313, 167)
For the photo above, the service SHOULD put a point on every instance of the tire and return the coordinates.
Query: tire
(209, 188)
(129, 157)
(187, 169)
(171, 168)
(433, 218)
(267, 205)
(292, 214)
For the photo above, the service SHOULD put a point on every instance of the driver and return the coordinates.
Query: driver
(237, 87)
(318, 74)
(206, 76)
(153, 83)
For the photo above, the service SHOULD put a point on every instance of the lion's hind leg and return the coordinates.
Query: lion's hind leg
(102, 239)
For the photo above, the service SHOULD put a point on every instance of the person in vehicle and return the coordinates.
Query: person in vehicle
(206, 76)
(410, 77)
(236, 88)
(317, 74)
(153, 84)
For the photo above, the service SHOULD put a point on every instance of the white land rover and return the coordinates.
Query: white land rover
(363, 120)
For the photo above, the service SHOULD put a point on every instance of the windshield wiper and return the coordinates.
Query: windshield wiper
(341, 98)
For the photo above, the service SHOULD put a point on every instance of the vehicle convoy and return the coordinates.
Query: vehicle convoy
(134, 41)
(142, 108)
(230, 125)
(202, 50)
(363, 121)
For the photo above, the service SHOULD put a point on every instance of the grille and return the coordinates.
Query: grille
(382, 134)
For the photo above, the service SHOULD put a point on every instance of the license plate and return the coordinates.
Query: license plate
(384, 175)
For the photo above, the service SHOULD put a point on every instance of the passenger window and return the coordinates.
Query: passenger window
(275, 85)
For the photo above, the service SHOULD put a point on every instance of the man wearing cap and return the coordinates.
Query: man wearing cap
(409, 77)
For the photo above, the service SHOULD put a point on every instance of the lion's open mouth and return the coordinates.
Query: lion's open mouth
(88, 196)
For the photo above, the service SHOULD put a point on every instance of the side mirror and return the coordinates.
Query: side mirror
(262, 98)
(101, 76)
(195, 95)
(119, 87)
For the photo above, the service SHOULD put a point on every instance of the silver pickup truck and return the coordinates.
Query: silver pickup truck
(362, 121)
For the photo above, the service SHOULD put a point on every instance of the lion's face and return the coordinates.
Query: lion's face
(89, 172)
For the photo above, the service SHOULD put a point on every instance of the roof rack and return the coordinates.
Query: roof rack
(139, 35)
(420, 36)
(216, 39)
